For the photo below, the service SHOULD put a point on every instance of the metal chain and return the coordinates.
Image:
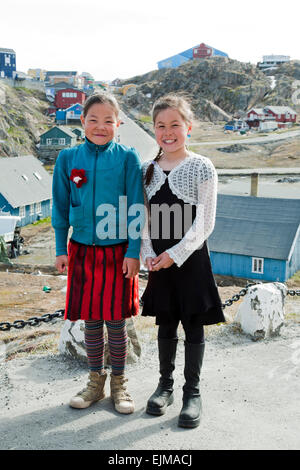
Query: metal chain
(47, 317)
(33, 321)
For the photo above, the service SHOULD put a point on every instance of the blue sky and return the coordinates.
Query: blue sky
(127, 38)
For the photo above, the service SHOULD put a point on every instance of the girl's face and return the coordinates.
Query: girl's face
(171, 131)
(100, 123)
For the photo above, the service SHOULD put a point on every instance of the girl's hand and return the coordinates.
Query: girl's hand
(162, 261)
(61, 263)
(131, 267)
(149, 263)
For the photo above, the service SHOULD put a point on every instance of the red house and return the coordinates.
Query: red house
(66, 97)
(202, 52)
(254, 116)
(281, 113)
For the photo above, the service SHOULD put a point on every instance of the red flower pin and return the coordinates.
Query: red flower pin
(78, 177)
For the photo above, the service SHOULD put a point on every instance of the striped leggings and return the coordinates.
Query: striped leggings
(117, 343)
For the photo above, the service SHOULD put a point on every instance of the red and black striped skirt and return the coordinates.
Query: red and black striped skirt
(97, 289)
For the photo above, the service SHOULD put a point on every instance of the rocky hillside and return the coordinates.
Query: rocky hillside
(22, 120)
(218, 87)
(285, 76)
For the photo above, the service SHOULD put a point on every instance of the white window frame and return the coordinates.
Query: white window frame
(61, 141)
(31, 209)
(48, 141)
(22, 212)
(37, 175)
(258, 265)
(38, 207)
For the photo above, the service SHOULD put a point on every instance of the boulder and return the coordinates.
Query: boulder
(71, 342)
(261, 314)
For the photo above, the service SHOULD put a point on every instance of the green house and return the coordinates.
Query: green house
(79, 132)
(57, 137)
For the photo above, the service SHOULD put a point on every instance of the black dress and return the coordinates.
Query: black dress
(187, 293)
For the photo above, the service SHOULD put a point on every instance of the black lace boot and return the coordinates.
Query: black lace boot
(190, 414)
(163, 395)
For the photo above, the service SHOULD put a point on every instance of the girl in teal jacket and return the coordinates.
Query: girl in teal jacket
(97, 189)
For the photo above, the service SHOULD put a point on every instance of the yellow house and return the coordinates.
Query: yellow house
(37, 74)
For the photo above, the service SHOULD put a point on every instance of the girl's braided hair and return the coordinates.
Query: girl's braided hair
(181, 105)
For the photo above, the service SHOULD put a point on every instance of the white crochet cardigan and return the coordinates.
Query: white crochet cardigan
(194, 181)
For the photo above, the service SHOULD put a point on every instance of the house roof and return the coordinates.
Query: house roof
(8, 51)
(61, 86)
(64, 129)
(255, 226)
(69, 88)
(24, 180)
(77, 129)
(62, 73)
(132, 135)
(280, 109)
(73, 106)
(257, 110)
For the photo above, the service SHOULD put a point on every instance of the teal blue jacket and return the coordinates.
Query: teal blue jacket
(94, 209)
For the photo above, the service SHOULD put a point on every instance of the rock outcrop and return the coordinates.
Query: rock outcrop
(217, 87)
(22, 120)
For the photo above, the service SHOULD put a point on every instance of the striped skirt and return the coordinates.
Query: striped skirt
(97, 288)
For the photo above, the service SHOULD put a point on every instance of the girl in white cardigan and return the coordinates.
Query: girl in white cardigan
(180, 195)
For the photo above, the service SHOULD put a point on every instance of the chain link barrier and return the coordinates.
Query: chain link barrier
(47, 317)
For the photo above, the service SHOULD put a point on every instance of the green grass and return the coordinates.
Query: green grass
(145, 119)
(42, 221)
(295, 277)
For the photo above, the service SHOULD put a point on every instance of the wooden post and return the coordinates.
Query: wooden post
(254, 184)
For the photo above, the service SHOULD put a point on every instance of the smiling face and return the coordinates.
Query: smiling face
(171, 131)
(100, 123)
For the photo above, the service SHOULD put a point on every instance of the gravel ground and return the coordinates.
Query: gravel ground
(250, 393)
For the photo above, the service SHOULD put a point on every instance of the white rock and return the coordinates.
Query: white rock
(71, 342)
(261, 314)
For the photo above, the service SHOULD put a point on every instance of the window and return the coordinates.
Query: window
(37, 175)
(22, 211)
(258, 265)
(48, 141)
(61, 141)
(31, 209)
(38, 207)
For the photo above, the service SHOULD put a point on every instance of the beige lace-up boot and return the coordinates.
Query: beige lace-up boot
(93, 392)
(119, 394)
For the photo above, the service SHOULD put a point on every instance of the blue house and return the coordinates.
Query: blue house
(25, 188)
(256, 238)
(7, 63)
(201, 51)
(69, 115)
